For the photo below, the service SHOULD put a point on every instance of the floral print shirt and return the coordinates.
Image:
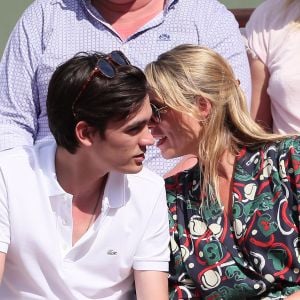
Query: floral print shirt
(255, 253)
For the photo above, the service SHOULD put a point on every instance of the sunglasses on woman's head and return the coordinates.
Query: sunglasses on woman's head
(105, 67)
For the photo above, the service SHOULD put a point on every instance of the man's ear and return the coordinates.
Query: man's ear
(85, 133)
(204, 107)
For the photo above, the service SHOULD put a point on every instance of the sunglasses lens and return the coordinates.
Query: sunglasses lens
(119, 58)
(106, 68)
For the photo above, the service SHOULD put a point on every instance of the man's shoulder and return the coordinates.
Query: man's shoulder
(29, 154)
(49, 3)
(45, 8)
(20, 152)
(202, 8)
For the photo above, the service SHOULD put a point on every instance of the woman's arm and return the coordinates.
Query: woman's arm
(261, 103)
(295, 296)
(2, 263)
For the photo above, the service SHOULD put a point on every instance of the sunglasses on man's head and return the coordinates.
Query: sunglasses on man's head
(105, 67)
(156, 112)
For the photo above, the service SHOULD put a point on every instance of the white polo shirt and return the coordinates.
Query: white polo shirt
(36, 232)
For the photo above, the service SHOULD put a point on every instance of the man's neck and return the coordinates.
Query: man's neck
(76, 175)
(115, 13)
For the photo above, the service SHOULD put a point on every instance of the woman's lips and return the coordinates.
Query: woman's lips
(161, 141)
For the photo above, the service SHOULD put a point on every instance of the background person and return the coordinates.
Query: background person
(273, 34)
(49, 32)
(234, 215)
(82, 219)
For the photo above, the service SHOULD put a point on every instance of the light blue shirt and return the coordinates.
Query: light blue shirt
(52, 31)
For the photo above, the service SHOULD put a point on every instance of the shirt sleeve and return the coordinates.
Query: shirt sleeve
(18, 94)
(225, 38)
(256, 32)
(4, 217)
(153, 252)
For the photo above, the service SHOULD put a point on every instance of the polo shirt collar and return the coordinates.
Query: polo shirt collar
(46, 157)
(88, 5)
(116, 191)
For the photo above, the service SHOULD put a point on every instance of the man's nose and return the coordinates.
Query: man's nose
(147, 138)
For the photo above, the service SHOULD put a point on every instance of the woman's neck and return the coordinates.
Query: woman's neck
(225, 172)
(226, 165)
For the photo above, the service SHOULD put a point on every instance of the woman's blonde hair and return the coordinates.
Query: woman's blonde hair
(187, 73)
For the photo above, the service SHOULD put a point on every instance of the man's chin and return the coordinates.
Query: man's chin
(132, 170)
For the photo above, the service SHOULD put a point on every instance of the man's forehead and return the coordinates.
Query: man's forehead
(139, 115)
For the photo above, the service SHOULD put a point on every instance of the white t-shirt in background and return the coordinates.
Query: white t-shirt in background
(276, 41)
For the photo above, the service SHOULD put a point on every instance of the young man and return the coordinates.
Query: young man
(50, 31)
(81, 218)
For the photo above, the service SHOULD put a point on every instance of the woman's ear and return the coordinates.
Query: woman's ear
(204, 107)
(85, 133)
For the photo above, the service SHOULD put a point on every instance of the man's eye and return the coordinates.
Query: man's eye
(134, 129)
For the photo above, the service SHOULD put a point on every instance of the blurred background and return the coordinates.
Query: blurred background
(11, 10)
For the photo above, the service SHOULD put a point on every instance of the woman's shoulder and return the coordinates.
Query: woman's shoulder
(287, 145)
(279, 147)
(183, 185)
(266, 17)
(268, 8)
(251, 161)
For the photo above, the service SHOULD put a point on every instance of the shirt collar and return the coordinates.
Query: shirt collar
(46, 155)
(93, 11)
(169, 4)
(116, 191)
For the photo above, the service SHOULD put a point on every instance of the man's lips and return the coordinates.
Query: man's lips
(139, 158)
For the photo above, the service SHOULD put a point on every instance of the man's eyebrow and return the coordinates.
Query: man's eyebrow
(138, 123)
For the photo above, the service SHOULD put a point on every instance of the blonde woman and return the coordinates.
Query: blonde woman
(234, 215)
(273, 34)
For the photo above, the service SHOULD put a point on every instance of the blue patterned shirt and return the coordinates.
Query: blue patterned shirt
(52, 31)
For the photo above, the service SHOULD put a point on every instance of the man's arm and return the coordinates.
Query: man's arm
(223, 36)
(151, 285)
(151, 260)
(19, 103)
(2, 263)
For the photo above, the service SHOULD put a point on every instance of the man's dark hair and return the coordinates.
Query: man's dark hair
(103, 99)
